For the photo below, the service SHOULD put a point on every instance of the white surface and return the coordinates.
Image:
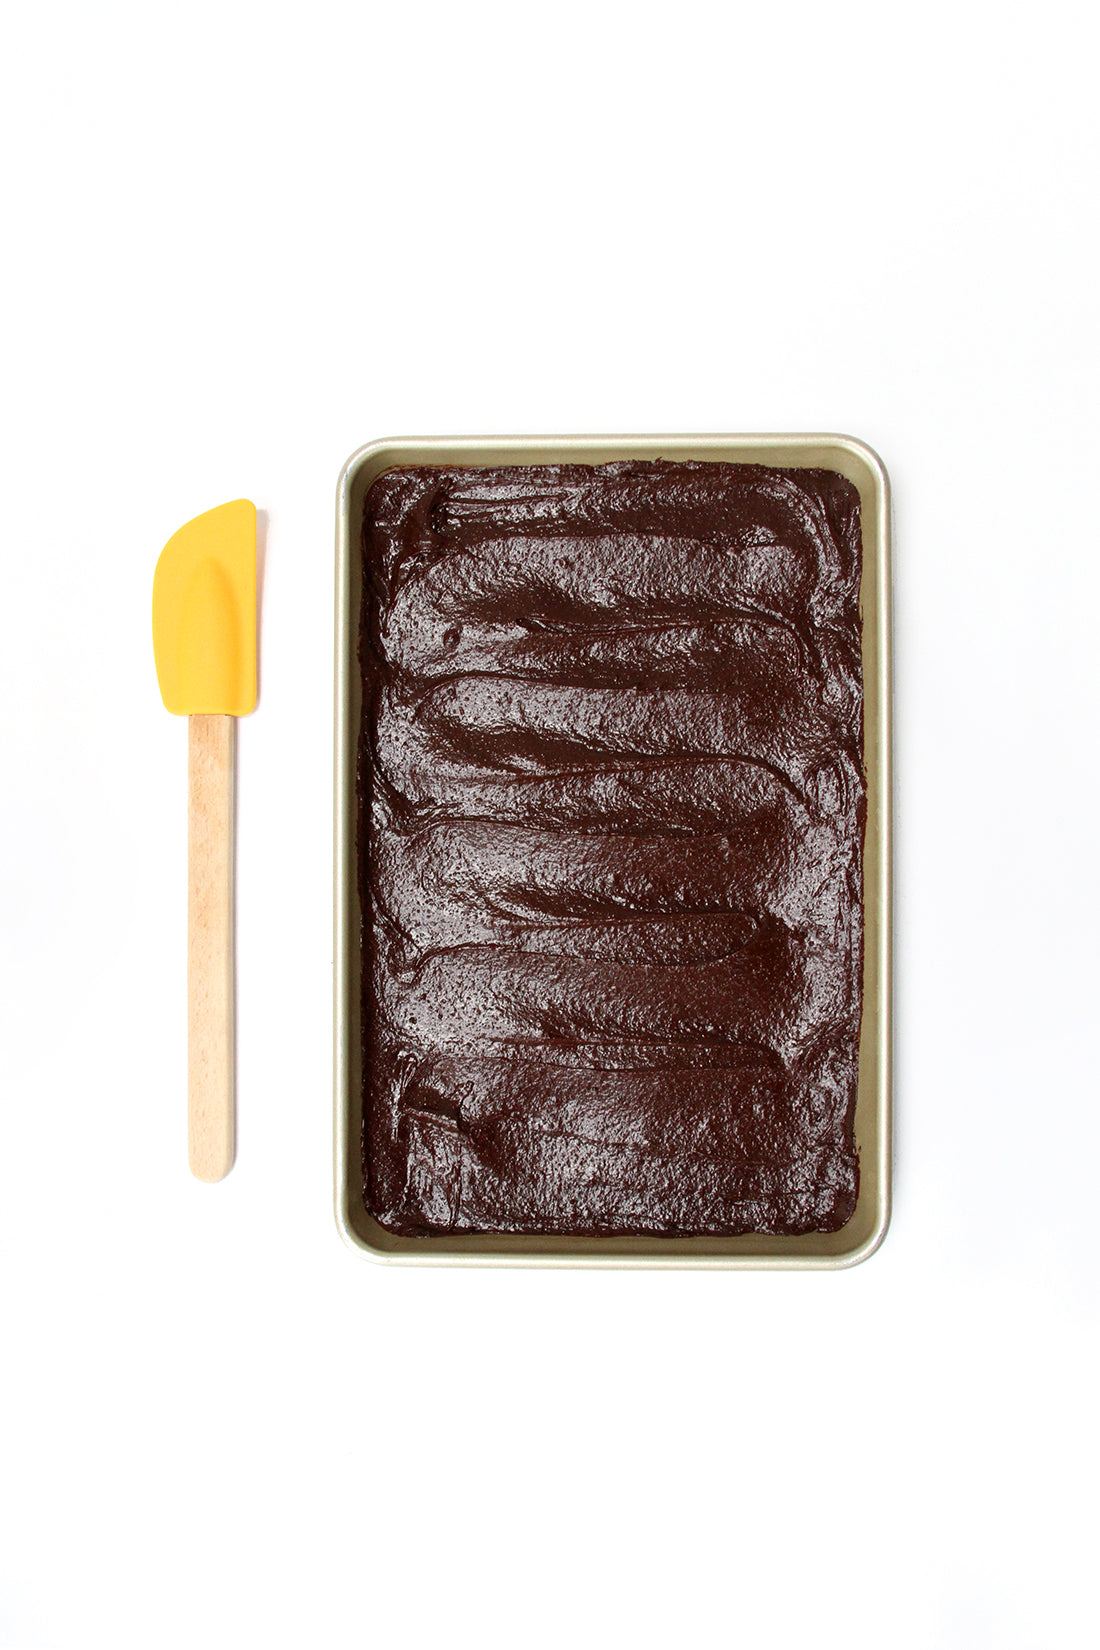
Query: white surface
(242, 240)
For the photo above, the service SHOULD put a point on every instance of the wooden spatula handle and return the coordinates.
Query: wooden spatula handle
(210, 984)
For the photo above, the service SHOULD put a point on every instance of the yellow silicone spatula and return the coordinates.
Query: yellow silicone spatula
(204, 641)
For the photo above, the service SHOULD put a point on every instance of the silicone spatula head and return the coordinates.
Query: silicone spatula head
(204, 614)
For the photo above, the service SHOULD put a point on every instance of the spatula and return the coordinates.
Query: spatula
(204, 641)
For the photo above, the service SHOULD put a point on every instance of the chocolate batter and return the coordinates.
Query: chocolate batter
(612, 806)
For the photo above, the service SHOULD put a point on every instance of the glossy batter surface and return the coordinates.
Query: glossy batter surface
(612, 807)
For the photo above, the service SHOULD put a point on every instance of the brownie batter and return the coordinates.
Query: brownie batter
(612, 806)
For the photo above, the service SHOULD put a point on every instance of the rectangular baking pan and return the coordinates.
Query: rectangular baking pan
(819, 1250)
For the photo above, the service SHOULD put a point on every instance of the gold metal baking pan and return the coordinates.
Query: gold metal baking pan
(865, 1230)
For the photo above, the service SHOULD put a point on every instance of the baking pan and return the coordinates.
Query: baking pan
(819, 1250)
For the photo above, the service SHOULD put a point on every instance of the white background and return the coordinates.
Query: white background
(243, 239)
